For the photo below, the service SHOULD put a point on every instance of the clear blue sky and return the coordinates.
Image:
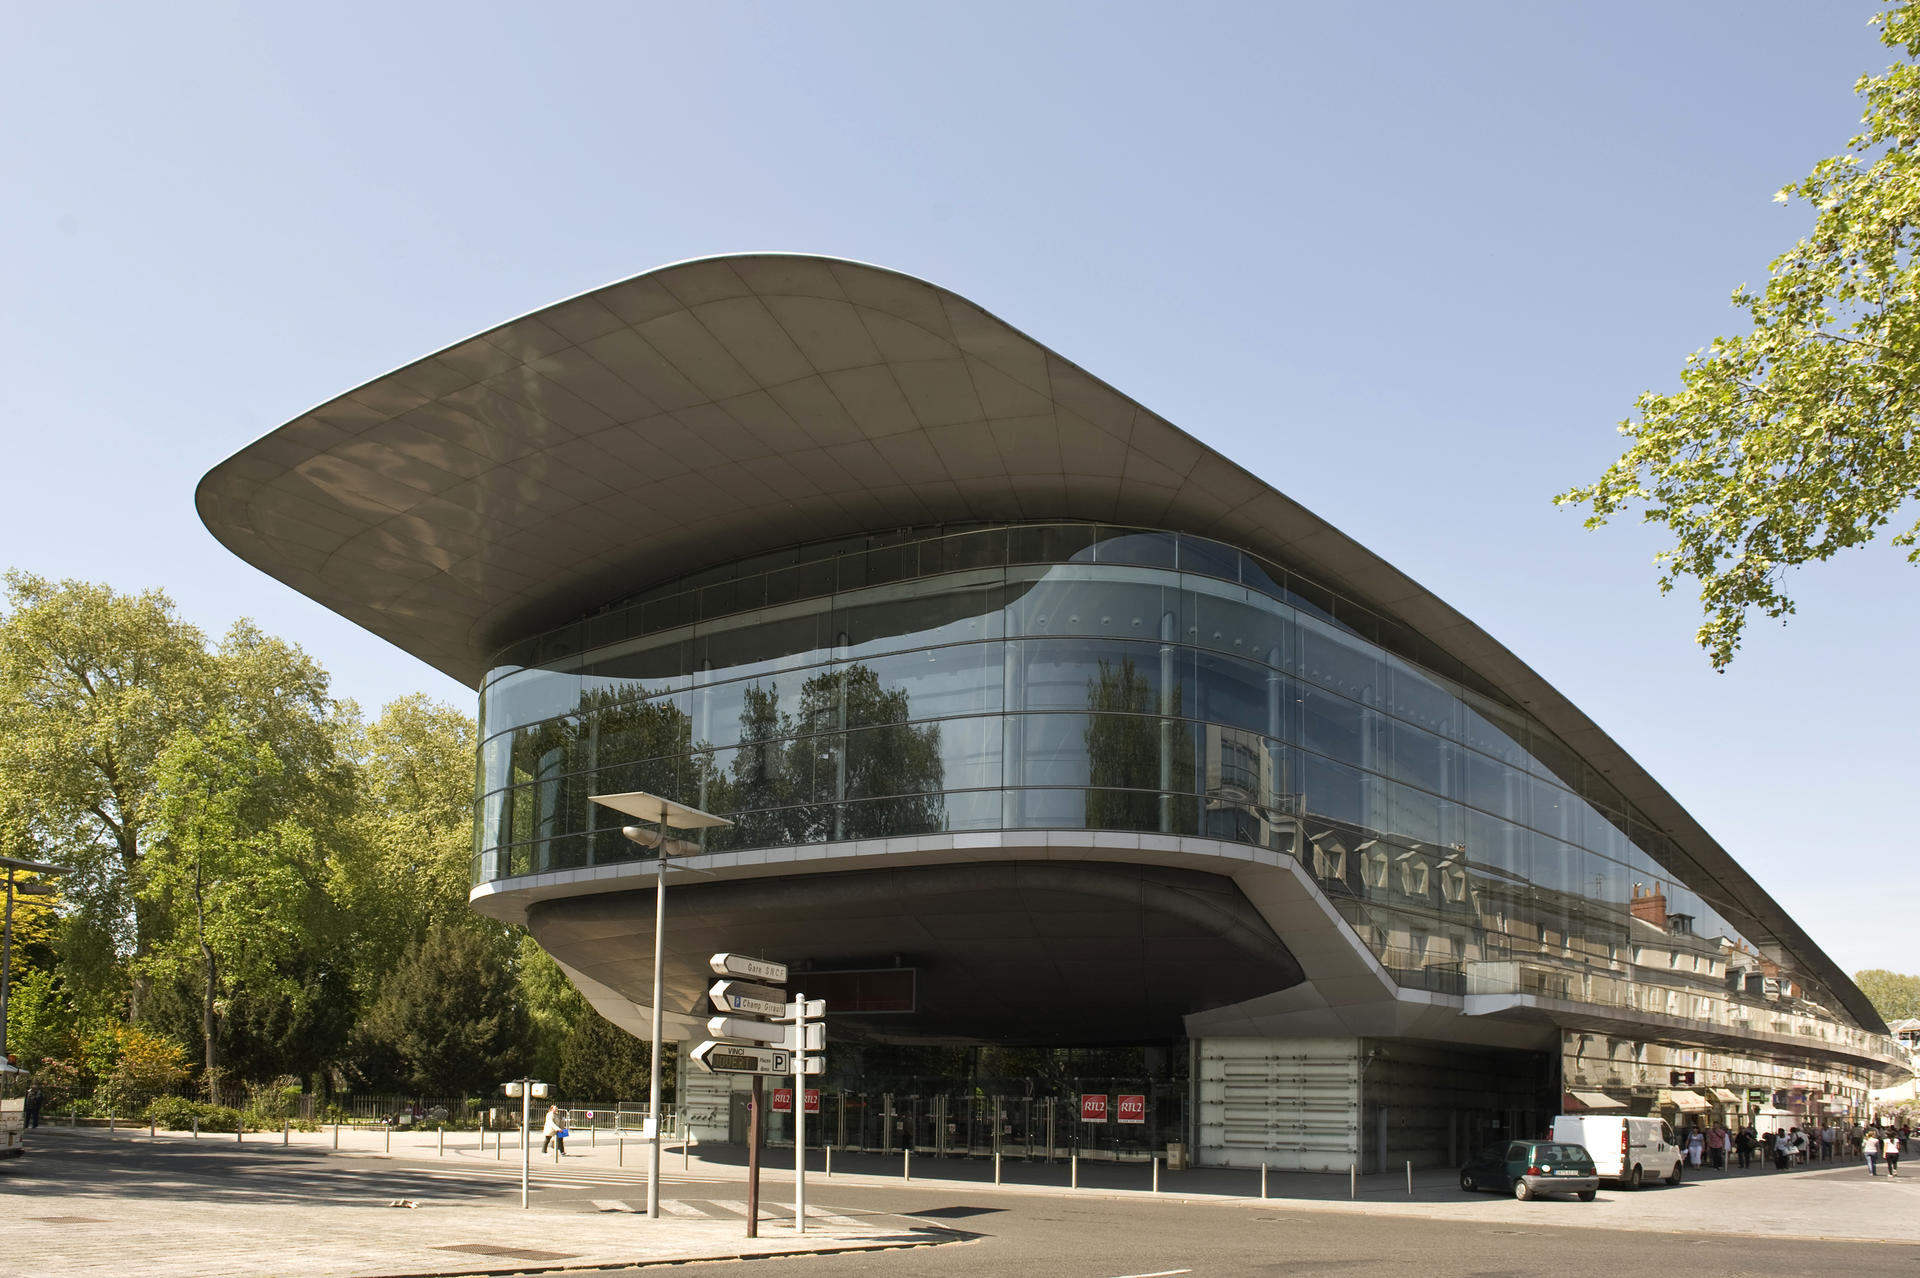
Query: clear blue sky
(1410, 262)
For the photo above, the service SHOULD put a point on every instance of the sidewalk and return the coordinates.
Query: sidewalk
(323, 1216)
(1823, 1201)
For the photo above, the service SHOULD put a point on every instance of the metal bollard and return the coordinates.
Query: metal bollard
(906, 1163)
(829, 1157)
(1409, 1177)
(389, 1148)
(336, 1135)
(498, 1137)
(622, 1160)
(1156, 1174)
(286, 1131)
(196, 1127)
(996, 1166)
(239, 1131)
(443, 1142)
(1353, 1180)
(1073, 1170)
(1263, 1180)
(593, 1136)
(151, 1129)
(109, 1124)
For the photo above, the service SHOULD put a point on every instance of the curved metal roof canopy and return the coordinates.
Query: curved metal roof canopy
(712, 409)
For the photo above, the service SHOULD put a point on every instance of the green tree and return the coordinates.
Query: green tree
(450, 1013)
(1796, 440)
(93, 685)
(1894, 995)
(236, 871)
(407, 866)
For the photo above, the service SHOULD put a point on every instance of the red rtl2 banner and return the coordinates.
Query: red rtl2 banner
(1093, 1107)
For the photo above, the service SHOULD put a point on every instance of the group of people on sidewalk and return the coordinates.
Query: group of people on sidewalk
(1795, 1146)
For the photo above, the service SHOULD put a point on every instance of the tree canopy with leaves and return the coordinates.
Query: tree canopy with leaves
(1796, 440)
(1895, 995)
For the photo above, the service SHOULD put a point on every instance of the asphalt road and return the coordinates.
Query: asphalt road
(1086, 1235)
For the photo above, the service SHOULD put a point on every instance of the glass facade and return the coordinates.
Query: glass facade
(1082, 677)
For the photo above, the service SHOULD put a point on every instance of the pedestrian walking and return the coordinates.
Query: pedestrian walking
(1870, 1146)
(1826, 1142)
(1743, 1146)
(1890, 1150)
(554, 1131)
(1696, 1146)
(30, 1105)
(1782, 1151)
(1717, 1146)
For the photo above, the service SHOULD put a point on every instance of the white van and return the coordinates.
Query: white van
(1630, 1151)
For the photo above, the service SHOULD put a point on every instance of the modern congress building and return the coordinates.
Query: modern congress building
(1038, 721)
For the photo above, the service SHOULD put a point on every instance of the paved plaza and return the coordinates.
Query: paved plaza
(382, 1205)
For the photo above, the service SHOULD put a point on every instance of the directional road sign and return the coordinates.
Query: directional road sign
(754, 969)
(765, 1032)
(740, 996)
(725, 1058)
(815, 1009)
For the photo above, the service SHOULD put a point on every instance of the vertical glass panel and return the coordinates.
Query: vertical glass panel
(812, 580)
(1210, 558)
(1060, 604)
(1233, 625)
(1336, 727)
(1420, 758)
(1496, 787)
(958, 616)
(1144, 549)
(1340, 662)
(1553, 811)
(1334, 792)
(1234, 692)
(986, 548)
(1049, 543)
(1414, 696)
(1499, 846)
(1079, 674)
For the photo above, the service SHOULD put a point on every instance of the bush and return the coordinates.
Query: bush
(178, 1114)
(274, 1101)
(175, 1113)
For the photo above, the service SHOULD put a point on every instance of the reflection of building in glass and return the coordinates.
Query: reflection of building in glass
(1007, 684)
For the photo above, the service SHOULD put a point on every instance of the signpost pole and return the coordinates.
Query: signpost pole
(753, 1157)
(800, 1113)
(653, 1088)
(526, 1146)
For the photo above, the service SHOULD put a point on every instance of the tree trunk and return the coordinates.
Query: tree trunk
(213, 976)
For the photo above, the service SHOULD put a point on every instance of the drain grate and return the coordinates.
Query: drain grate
(506, 1253)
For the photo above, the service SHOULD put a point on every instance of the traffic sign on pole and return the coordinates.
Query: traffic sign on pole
(757, 1031)
(741, 996)
(727, 1058)
(754, 969)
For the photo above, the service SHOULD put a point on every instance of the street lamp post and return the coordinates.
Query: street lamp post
(14, 865)
(667, 815)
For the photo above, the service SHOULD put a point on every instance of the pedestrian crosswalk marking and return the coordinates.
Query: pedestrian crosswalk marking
(610, 1204)
(673, 1207)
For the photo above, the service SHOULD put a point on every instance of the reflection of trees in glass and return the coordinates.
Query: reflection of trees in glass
(618, 741)
(849, 738)
(1132, 746)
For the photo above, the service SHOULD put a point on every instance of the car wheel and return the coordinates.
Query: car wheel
(1468, 1183)
(1675, 1178)
(1633, 1178)
(1522, 1191)
(1587, 1195)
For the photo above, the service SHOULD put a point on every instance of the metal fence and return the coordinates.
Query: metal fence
(980, 1125)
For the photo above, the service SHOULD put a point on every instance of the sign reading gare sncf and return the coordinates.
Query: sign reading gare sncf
(1093, 1107)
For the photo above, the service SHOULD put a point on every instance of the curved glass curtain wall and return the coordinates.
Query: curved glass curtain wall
(1077, 677)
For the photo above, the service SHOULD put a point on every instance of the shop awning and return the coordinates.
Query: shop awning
(1726, 1097)
(1685, 1102)
(1596, 1100)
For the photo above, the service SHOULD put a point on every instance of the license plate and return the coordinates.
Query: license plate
(1569, 1173)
